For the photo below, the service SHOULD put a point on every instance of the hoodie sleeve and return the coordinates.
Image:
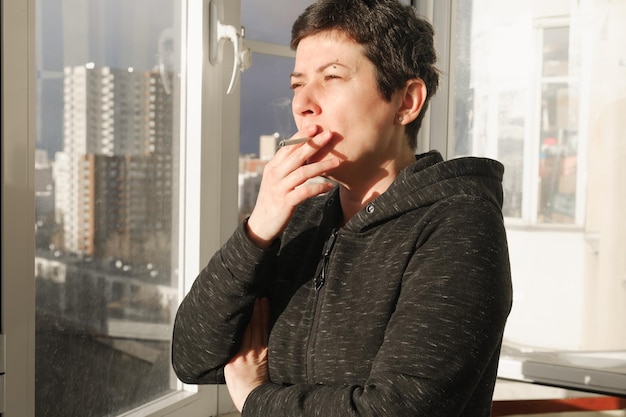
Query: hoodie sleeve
(214, 313)
(441, 346)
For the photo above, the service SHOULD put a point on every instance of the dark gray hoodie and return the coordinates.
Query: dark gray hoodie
(400, 312)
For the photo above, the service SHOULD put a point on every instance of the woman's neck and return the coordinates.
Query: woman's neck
(357, 194)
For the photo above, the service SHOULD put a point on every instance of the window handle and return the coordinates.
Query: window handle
(218, 34)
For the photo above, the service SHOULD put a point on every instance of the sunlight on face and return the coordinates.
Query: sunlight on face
(335, 89)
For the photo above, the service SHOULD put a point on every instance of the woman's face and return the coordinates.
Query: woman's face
(335, 89)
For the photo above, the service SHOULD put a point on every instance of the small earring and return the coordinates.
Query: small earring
(400, 118)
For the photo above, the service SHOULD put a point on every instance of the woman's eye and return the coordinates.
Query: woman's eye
(295, 85)
(331, 77)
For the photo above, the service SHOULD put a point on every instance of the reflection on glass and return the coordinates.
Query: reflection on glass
(558, 156)
(558, 132)
(106, 287)
(499, 102)
(555, 52)
(546, 97)
(511, 132)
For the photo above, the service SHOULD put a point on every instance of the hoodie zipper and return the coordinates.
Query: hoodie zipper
(320, 280)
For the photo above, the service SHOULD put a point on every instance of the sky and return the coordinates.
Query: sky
(114, 33)
(124, 33)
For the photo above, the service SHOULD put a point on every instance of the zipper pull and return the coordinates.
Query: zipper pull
(320, 280)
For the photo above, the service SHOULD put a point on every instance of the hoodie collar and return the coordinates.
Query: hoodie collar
(428, 180)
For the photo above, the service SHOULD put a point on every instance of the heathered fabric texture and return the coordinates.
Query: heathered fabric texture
(410, 316)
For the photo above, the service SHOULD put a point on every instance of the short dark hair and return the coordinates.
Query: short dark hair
(399, 43)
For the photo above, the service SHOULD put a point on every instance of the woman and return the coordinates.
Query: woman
(382, 293)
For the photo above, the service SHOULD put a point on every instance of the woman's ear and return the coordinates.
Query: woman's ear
(412, 100)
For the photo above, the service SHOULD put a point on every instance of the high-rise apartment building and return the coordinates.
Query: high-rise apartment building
(115, 174)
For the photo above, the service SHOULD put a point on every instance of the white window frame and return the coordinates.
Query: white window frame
(18, 209)
(207, 204)
(435, 127)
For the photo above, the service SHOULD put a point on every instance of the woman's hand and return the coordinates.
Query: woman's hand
(283, 186)
(248, 368)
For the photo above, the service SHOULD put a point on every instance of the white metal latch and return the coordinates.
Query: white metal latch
(218, 34)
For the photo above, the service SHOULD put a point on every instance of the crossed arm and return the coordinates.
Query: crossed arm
(248, 368)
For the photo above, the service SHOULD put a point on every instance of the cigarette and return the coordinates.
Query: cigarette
(287, 142)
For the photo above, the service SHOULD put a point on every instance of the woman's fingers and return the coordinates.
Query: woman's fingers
(284, 186)
(246, 339)
(256, 334)
(289, 158)
(259, 323)
(248, 368)
(306, 172)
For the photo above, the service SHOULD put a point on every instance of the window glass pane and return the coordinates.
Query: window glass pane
(271, 21)
(265, 100)
(265, 118)
(540, 86)
(555, 52)
(106, 175)
(511, 128)
(558, 154)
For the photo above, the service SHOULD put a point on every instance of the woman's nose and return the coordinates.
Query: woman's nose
(305, 103)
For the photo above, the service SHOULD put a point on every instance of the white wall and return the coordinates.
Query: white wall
(548, 284)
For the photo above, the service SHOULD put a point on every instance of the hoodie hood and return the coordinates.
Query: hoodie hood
(429, 180)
